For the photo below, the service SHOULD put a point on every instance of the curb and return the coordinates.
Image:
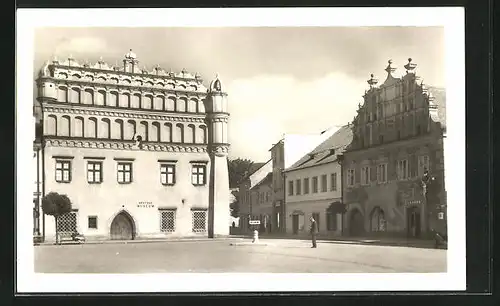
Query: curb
(250, 244)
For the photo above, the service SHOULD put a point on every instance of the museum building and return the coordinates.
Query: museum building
(140, 153)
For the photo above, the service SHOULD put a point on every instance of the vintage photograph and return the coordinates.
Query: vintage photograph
(219, 149)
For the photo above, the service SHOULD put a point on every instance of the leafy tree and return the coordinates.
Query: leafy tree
(235, 206)
(238, 168)
(55, 204)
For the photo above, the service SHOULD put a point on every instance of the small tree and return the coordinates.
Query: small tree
(55, 204)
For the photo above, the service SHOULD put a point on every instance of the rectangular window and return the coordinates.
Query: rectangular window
(403, 169)
(199, 221)
(423, 164)
(315, 184)
(333, 182)
(94, 172)
(306, 186)
(63, 171)
(350, 177)
(124, 173)
(167, 174)
(267, 196)
(382, 173)
(290, 188)
(298, 185)
(365, 175)
(167, 221)
(324, 183)
(198, 175)
(92, 222)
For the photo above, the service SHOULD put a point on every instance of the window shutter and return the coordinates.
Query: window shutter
(373, 173)
(411, 167)
(357, 175)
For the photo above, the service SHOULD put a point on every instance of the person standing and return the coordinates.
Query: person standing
(313, 230)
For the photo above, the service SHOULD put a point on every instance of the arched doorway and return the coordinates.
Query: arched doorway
(356, 223)
(413, 222)
(122, 227)
(377, 220)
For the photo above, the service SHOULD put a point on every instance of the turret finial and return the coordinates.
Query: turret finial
(390, 69)
(410, 67)
(372, 81)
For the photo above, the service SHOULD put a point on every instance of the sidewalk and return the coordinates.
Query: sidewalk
(145, 240)
(381, 241)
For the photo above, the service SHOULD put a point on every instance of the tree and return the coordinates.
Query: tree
(238, 168)
(55, 204)
(235, 206)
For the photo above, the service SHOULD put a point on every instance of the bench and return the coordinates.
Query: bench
(71, 237)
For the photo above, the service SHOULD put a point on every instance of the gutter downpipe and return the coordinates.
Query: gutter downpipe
(341, 162)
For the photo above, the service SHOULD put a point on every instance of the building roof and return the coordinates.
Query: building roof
(267, 180)
(327, 151)
(439, 95)
(253, 169)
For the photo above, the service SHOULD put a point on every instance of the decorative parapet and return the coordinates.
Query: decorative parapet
(125, 145)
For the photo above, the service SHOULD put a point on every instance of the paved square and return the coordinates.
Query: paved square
(219, 256)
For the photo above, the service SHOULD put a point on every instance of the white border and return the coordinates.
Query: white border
(451, 18)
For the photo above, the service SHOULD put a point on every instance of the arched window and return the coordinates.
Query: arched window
(65, 128)
(117, 130)
(88, 96)
(191, 134)
(201, 135)
(74, 95)
(51, 125)
(130, 130)
(166, 133)
(155, 132)
(79, 127)
(158, 103)
(193, 87)
(170, 104)
(76, 76)
(91, 128)
(147, 102)
(143, 130)
(113, 99)
(377, 220)
(124, 100)
(101, 79)
(182, 87)
(201, 106)
(192, 106)
(105, 128)
(114, 80)
(135, 101)
(181, 105)
(62, 94)
(101, 98)
(179, 133)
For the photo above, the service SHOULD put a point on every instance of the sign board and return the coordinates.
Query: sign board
(254, 222)
(440, 216)
(145, 204)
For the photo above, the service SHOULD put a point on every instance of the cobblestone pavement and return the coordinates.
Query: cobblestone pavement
(219, 256)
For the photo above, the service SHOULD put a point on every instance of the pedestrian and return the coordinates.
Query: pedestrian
(313, 230)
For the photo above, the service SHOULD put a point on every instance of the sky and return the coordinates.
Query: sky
(279, 80)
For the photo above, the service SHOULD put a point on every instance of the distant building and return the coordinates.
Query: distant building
(248, 197)
(283, 155)
(397, 136)
(141, 153)
(263, 208)
(313, 187)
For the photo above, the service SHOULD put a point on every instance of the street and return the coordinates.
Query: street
(219, 256)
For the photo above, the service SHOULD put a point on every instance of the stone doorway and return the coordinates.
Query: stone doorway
(413, 222)
(122, 227)
(356, 223)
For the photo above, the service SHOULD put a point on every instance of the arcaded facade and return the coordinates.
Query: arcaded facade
(397, 136)
(141, 153)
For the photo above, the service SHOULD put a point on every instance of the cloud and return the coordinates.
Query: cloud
(263, 108)
(81, 45)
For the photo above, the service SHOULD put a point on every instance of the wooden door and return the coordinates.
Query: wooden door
(295, 224)
(122, 228)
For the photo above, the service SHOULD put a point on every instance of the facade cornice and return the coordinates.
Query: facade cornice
(104, 111)
(426, 138)
(286, 171)
(155, 90)
(124, 145)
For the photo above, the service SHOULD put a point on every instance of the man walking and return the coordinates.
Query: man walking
(313, 230)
